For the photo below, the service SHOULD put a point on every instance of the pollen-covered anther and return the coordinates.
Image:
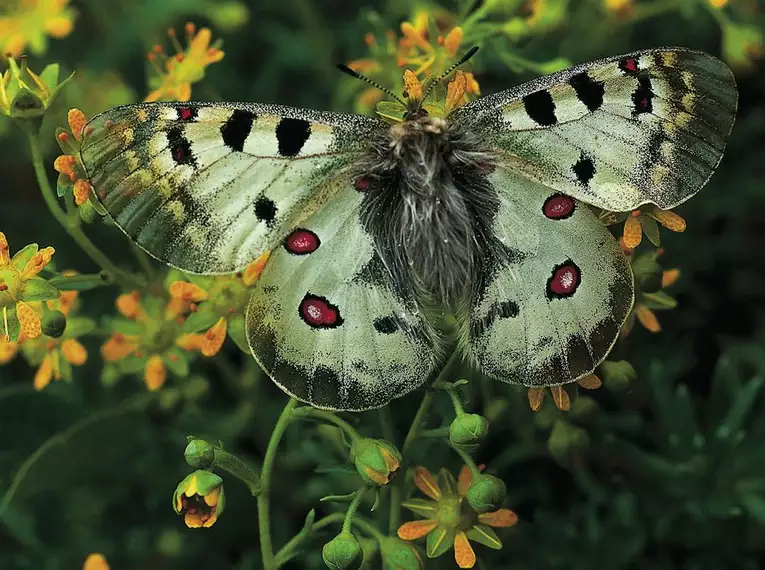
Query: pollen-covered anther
(412, 86)
(455, 92)
(77, 121)
(65, 163)
(214, 337)
(187, 292)
(37, 263)
(81, 191)
(669, 219)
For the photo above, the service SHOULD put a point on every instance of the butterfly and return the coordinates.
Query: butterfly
(397, 241)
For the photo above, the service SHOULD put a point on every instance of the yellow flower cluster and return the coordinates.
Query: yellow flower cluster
(174, 74)
(30, 22)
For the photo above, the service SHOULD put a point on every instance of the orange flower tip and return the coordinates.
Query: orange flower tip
(190, 28)
(3, 286)
(635, 213)
(179, 57)
(156, 48)
(501, 518)
(77, 121)
(63, 137)
(464, 554)
(171, 32)
(415, 529)
(535, 395)
(440, 40)
(193, 307)
(369, 39)
(561, 398)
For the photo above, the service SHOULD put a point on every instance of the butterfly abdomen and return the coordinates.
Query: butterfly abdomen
(429, 206)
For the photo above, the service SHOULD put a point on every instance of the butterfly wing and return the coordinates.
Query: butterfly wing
(551, 311)
(326, 321)
(208, 187)
(646, 127)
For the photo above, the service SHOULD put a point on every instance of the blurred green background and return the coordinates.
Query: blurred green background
(665, 471)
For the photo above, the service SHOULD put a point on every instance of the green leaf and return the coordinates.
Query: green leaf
(123, 326)
(14, 326)
(49, 75)
(63, 185)
(440, 539)
(659, 301)
(132, 365)
(24, 255)
(37, 289)
(177, 362)
(79, 282)
(79, 326)
(27, 105)
(237, 333)
(391, 110)
(650, 229)
(347, 498)
(201, 320)
(484, 534)
(422, 507)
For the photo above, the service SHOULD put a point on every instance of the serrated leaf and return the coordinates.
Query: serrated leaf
(37, 289)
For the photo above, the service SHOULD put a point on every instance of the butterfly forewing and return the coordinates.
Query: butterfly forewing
(646, 127)
(325, 321)
(207, 187)
(551, 312)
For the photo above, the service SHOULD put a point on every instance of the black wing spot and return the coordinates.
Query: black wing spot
(265, 210)
(291, 134)
(540, 107)
(642, 97)
(386, 325)
(180, 147)
(236, 129)
(588, 91)
(500, 310)
(584, 169)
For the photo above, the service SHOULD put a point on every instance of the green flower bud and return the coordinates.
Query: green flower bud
(199, 454)
(400, 555)
(567, 442)
(343, 552)
(583, 408)
(200, 499)
(88, 213)
(376, 460)
(486, 493)
(617, 376)
(26, 95)
(468, 429)
(53, 323)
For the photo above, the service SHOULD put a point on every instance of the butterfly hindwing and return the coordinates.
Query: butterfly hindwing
(646, 127)
(325, 321)
(207, 187)
(552, 310)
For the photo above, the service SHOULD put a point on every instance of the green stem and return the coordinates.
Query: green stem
(394, 518)
(329, 417)
(468, 461)
(264, 523)
(352, 509)
(72, 224)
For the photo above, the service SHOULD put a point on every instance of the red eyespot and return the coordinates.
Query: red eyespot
(317, 312)
(558, 207)
(564, 281)
(302, 242)
(361, 184)
(185, 113)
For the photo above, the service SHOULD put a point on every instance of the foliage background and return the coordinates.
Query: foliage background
(668, 472)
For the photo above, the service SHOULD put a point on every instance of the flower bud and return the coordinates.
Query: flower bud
(617, 375)
(199, 454)
(53, 323)
(200, 499)
(343, 552)
(567, 442)
(486, 493)
(88, 213)
(468, 429)
(376, 460)
(399, 555)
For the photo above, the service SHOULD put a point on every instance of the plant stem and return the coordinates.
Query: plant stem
(329, 417)
(468, 461)
(352, 509)
(72, 224)
(394, 517)
(264, 523)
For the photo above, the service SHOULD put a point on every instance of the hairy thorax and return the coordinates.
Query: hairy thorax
(429, 205)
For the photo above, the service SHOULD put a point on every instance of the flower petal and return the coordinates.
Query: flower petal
(188, 292)
(463, 552)
(31, 325)
(669, 220)
(483, 534)
(416, 529)
(73, 352)
(44, 373)
(440, 539)
(37, 263)
(254, 269)
(560, 397)
(129, 304)
(590, 382)
(422, 507)
(426, 482)
(453, 40)
(669, 277)
(464, 479)
(214, 337)
(95, 561)
(500, 519)
(155, 373)
(647, 318)
(5, 255)
(633, 232)
(535, 395)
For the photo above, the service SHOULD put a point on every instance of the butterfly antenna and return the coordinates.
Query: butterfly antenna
(470, 53)
(345, 69)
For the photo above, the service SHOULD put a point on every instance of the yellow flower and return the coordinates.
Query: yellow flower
(644, 220)
(59, 348)
(29, 22)
(95, 561)
(7, 350)
(26, 95)
(72, 176)
(451, 522)
(19, 285)
(559, 394)
(175, 74)
(218, 306)
(149, 340)
(200, 499)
